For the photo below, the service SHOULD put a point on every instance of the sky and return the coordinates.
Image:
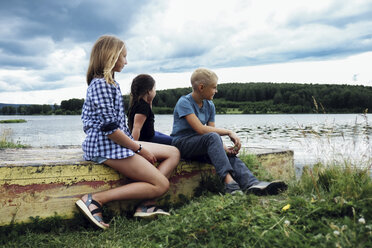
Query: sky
(45, 45)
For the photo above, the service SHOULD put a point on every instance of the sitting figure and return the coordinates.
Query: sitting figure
(108, 140)
(195, 135)
(140, 116)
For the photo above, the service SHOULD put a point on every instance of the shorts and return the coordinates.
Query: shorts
(99, 160)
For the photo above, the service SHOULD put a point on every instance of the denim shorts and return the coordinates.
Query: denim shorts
(99, 160)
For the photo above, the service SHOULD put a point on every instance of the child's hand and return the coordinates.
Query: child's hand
(231, 151)
(149, 156)
(234, 138)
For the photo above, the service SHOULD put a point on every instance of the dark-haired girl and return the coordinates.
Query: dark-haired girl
(140, 116)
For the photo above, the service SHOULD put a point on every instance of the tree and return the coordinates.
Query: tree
(73, 104)
(22, 110)
(294, 99)
(278, 98)
(8, 110)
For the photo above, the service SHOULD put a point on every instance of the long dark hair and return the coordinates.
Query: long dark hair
(141, 84)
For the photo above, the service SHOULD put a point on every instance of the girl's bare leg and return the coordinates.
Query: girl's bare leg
(151, 182)
(168, 156)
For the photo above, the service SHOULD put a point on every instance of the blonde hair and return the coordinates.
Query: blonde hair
(202, 76)
(105, 53)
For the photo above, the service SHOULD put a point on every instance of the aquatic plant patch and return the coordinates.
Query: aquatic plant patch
(13, 121)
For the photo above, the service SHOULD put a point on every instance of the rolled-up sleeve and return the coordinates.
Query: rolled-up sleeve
(103, 95)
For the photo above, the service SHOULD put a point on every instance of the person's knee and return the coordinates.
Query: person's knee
(165, 186)
(213, 137)
(175, 153)
(162, 187)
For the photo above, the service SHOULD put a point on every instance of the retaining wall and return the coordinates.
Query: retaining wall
(47, 181)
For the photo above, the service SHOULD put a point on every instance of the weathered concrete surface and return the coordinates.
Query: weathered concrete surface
(279, 163)
(47, 181)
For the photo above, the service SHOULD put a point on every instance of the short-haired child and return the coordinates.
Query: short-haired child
(195, 135)
(109, 140)
(140, 115)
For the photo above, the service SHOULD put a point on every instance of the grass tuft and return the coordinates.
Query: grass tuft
(5, 143)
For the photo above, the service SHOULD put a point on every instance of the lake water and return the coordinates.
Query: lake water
(312, 137)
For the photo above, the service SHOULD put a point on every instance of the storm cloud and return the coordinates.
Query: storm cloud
(45, 45)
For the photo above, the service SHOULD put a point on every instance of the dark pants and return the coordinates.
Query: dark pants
(160, 138)
(210, 145)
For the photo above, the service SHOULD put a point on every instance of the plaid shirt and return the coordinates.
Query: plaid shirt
(102, 114)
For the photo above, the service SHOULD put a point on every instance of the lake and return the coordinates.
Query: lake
(312, 137)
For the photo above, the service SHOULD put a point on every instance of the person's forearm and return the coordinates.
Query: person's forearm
(120, 138)
(136, 133)
(210, 129)
(201, 129)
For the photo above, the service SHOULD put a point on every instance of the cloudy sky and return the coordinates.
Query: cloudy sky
(45, 45)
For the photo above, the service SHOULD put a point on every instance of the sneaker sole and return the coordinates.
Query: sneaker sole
(149, 215)
(273, 188)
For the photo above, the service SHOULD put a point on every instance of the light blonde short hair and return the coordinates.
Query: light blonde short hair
(202, 76)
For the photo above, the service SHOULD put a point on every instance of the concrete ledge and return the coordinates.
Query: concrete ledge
(47, 181)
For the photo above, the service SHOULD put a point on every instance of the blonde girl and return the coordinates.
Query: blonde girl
(110, 142)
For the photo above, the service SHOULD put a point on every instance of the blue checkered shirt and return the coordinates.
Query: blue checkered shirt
(102, 114)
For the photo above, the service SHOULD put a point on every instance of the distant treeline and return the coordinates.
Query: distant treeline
(67, 107)
(246, 98)
(266, 98)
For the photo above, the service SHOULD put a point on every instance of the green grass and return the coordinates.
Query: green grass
(328, 207)
(5, 143)
(13, 121)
